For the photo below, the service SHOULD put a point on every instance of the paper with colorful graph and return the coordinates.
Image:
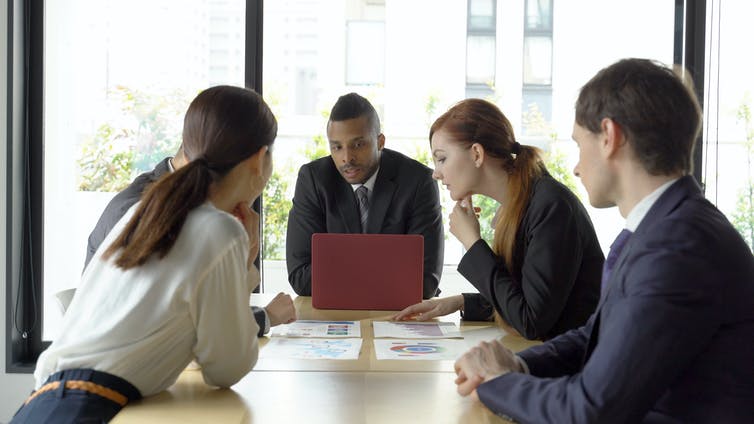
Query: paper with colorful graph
(312, 328)
(416, 330)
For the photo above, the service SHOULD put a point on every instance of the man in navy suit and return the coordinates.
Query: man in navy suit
(672, 339)
(398, 194)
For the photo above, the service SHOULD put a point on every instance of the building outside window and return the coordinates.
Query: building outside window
(537, 82)
(481, 25)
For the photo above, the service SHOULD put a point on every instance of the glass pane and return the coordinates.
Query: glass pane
(728, 153)
(538, 60)
(477, 91)
(118, 78)
(482, 15)
(578, 51)
(539, 99)
(480, 60)
(538, 15)
(365, 53)
(428, 65)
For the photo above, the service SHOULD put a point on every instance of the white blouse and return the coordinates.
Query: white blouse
(147, 323)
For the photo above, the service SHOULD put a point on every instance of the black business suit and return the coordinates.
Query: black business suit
(405, 200)
(123, 201)
(554, 285)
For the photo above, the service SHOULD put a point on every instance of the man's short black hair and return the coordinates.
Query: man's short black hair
(352, 106)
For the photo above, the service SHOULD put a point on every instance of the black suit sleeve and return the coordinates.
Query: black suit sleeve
(475, 308)
(426, 219)
(305, 218)
(261, 317)
(114, 211)
(552, 258)
(120, 204)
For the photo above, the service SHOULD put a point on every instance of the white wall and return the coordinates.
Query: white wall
(13, 387)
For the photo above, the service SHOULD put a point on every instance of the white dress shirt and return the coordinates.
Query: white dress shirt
(147, 323)
(640, 210)
(267, 323)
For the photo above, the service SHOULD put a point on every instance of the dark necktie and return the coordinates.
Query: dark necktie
(362, 193)
(612, 257)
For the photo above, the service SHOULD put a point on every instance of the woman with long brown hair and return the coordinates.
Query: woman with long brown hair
(542, 273)
(171, 282)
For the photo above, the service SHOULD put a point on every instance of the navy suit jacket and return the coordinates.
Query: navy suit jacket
(405, 200)
(123, 201)
(672, 340)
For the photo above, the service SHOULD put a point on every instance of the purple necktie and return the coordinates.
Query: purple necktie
(612, 257)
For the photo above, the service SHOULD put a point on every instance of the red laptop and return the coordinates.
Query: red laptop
(367, 271)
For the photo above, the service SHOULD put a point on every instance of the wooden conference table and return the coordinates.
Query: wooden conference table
(366, 390)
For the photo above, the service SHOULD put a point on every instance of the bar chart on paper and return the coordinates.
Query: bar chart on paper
(312, 328)
(416, 330)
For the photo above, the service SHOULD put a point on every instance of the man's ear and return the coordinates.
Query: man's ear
(256, 161)
(612, 137)
(380, 141)
(477, 154)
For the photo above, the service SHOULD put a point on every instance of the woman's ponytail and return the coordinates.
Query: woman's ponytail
(223, 126)
(523, 170)
(158, 219)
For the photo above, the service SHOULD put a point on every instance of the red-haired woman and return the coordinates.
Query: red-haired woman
(542, 274)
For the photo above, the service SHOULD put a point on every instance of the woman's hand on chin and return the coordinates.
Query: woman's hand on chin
(250, 220)
(464, 222)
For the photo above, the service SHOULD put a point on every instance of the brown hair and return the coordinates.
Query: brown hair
(658, 113)
(478, 121)
(223, 126)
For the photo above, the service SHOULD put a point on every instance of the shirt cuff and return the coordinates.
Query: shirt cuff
(521, 363)
(266, 322)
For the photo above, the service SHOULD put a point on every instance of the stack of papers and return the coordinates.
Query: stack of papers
(341, 340)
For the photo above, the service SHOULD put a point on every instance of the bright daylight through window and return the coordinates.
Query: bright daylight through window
(119, 76)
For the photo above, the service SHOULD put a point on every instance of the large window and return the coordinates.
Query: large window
(728, 149)
(383, 52)
(477, 48)
(578, 48)
(118, 76)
